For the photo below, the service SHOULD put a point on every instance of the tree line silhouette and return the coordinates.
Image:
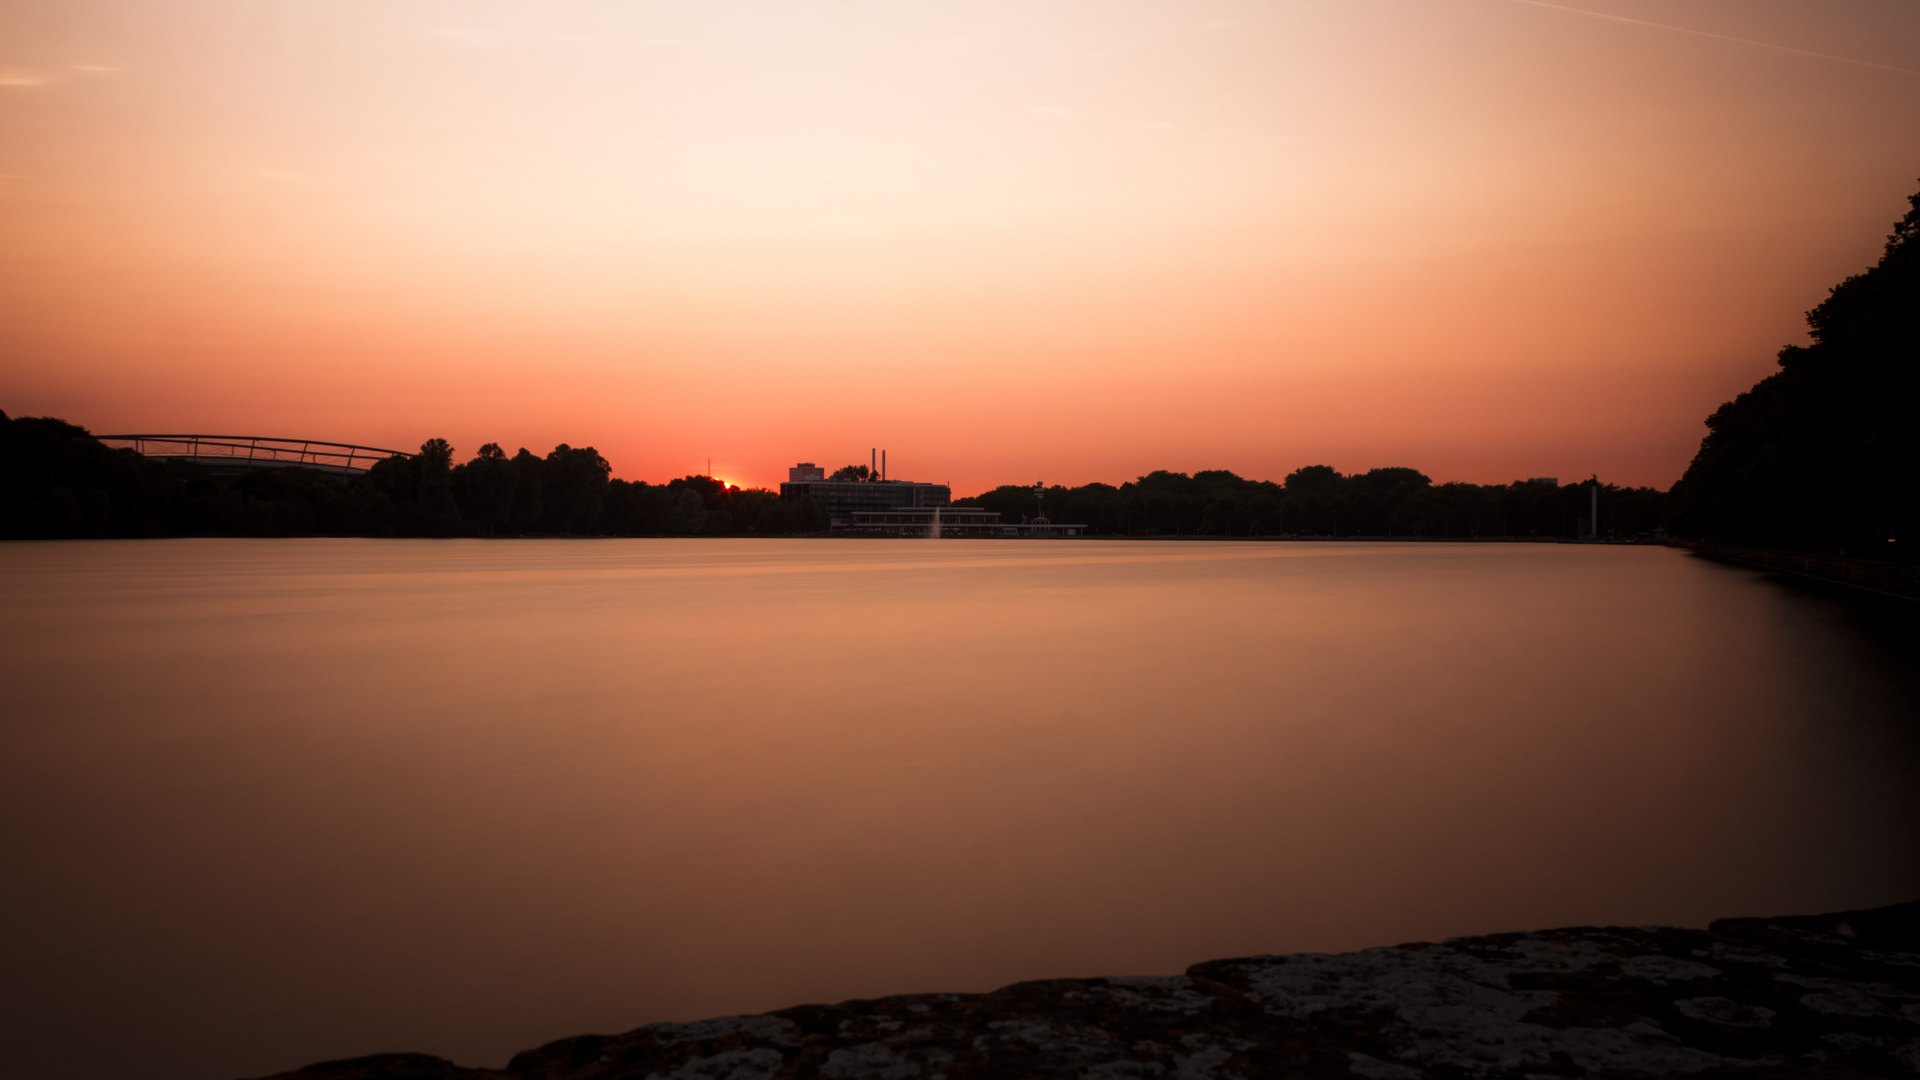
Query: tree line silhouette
(1320, 501)
(1824, 454)
(57, 481)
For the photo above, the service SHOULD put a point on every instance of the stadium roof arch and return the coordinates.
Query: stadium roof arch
(241, 453)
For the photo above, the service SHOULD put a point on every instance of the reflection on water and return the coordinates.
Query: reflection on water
(268, 802)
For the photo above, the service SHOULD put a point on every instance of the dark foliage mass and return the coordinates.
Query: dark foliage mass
(57, 481)
(1824, 453)
(1318, 501)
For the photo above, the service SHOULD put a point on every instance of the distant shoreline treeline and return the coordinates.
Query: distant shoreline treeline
(1318, 501)
(57, 481)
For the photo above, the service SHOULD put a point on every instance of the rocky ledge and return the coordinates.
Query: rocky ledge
(1805, 996)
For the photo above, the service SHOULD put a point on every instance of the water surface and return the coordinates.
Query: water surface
(269, 802)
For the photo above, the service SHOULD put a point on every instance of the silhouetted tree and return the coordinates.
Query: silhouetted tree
(529, 501)
(484, 488)
(575, 489)
(57, 481)
(439, 514)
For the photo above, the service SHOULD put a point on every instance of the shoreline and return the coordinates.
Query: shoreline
(1898, 580)
(1832, 995)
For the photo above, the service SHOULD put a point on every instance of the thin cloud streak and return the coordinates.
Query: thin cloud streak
(14, 76)
(24, 77)
(480, 36)
(1717, 37)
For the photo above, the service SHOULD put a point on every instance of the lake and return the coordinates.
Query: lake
(268, 802)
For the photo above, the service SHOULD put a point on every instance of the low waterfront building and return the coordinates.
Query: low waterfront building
(880, 507)
(844, 497)
(955, 522)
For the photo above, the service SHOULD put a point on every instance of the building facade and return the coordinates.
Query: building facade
(843, 497)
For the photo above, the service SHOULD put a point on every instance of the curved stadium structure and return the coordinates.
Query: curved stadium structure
(240, 453)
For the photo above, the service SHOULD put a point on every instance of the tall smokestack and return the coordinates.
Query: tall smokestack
(883, 464)
(873, 461)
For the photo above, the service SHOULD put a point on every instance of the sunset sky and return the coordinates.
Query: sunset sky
(1007, 241)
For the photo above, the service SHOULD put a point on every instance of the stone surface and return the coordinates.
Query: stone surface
(1806, 996)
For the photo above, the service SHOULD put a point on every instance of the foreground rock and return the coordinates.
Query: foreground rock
(1816, 996)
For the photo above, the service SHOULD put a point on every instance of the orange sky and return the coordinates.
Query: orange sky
(1005, 240)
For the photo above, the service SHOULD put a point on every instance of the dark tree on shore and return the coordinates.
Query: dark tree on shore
(57, 481)
(1825, 452)
(484, 488)
(575, 490)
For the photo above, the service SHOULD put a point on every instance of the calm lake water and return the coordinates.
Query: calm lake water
(264, 803)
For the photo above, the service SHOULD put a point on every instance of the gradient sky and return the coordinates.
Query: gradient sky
(1073, 241)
